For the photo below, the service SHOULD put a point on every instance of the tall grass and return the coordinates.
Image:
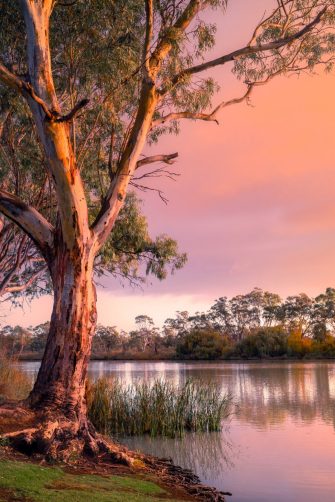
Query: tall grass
(14, 383)
(157, 408)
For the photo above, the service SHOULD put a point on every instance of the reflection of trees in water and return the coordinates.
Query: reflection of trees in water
(268, 397)
(207, 454)
(267, 393)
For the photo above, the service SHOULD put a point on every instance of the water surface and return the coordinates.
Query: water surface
(279, 446)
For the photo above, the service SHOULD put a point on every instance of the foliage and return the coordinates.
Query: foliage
(201, 344)
(242, 313)
(132, 254)
(157, 408)
(325, 347)
(297, 345)
(257, 324)
(107, 339)
(265, 342)
(97, 53)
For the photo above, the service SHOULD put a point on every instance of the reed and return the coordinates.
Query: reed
(157, 408)
(14, 383)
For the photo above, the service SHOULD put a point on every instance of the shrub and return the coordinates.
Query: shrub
(324, 348)
(298, 345)
(201, 344)
(266, 342)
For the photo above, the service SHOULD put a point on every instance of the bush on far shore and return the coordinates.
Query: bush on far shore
(265, 342)
(202, 344)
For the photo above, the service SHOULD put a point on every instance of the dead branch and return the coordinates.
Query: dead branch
(167, 159)
(144, 188)
(70, 116)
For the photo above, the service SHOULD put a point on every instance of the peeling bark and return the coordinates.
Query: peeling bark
(60, 384)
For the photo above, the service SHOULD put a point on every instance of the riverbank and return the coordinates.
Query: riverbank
(157, 359)
(148, 479)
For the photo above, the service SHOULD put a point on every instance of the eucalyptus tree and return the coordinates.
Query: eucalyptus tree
(237, 316)
(145, 335)
(323, 312)
(297, 313)
(135, 69)
(130, 253)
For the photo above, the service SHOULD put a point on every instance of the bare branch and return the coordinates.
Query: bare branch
(167, 159)
(145, 188)
(10, 79)
(14, 266)
(70, 116)
(212, 116)
(157, 173)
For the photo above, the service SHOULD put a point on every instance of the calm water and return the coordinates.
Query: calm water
(279, 445)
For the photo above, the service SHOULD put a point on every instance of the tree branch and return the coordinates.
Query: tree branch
(165, 44)
(15, 266)
(28, 283)
(13, 81)
(147, 105)
(244, 51)
(145, 188)
(30, 220)
(209, 117)
(70, 116)
(148, 32)
(212, 116)
(168, 159)
(54, 136)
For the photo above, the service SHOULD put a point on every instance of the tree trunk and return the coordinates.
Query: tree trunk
(60, 385)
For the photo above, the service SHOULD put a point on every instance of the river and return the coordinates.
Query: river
(278, 446)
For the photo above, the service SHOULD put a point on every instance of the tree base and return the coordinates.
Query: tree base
(53, 439)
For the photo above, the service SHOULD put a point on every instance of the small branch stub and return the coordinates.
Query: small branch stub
(70, 116)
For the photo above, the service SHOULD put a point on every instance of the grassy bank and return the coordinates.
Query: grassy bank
(24, 481)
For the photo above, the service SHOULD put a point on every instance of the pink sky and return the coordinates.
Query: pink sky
(255, 202)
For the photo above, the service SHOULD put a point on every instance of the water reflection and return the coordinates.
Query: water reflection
(209, 455)
(280, 443)
(267, 394)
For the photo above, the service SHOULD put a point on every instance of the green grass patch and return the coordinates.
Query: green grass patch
(28, 482)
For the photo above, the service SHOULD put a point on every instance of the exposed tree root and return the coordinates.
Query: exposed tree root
(51, 437)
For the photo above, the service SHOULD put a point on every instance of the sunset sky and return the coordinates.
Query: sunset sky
(255, 202)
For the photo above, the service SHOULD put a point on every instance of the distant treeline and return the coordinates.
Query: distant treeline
(258, 324)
